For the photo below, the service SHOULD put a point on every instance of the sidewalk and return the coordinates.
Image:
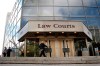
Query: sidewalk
(50, 60)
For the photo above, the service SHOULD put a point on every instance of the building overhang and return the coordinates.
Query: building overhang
(68, 27)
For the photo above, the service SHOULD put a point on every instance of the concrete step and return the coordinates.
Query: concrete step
(50, 60)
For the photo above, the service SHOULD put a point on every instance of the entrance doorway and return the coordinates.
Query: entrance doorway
(69, 49)
(61, 47)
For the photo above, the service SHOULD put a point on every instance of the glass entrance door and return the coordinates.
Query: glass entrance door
(62, 47)
(68, 48)
(79, 43)
(32, 47)
(56, 46)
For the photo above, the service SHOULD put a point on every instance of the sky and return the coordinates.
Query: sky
(5, 7)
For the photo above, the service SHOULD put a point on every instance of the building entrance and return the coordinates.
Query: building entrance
(68, 48)
(57, 47)
(60, 47)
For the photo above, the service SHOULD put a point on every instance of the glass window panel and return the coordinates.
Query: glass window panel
(93, 22)
(27, 18)
(11, 27)
(29, 11)
(18, 16)
(14, 16)
(18, 26)
(45, 11)
(75, 2)
(60, 2)
(77, 19)
(23, 21)
(62, 18)
(16, 38)
(76, 11)
(19, 8)
(89, 2)
(13, 32)
(61, 11)
(46, 2)
(59, 18)
(91, 12)
(15, 22)
(45, 18)
(30, 2)
(20, 3)
(16, 5)
(98, 2)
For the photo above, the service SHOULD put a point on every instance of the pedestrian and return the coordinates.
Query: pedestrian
(8, 52)
(42, 47)
(5, 52)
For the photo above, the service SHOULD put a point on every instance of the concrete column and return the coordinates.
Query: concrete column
(85, 51)
(25, 48)
(87, 44)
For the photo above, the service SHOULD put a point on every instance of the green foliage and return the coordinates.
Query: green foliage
(32, 50)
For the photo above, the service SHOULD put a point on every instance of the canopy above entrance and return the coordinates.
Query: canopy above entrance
(54, 26)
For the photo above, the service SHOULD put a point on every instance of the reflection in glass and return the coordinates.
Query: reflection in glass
(75, 2)
(18, 16)
(60, 3)
(23, 22)
(45, 18)
(45, 2)
(81, 19)
(76, 11)
(30, 2)
(89, 2)
(29, 11)
(60, 18)
(45, 11)
(91, 11)
(93, 21)
(98, 2)
(61, 11)
(18, 26)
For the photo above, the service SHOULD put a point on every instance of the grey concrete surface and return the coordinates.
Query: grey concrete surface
(50, 65)
(50, 60)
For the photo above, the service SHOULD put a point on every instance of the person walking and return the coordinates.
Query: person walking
(8, 52)
(42, 47)
(5, 52)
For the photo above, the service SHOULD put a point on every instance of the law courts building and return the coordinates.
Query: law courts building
(65, 26)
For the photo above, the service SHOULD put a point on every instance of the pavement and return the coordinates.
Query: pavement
(50, 60)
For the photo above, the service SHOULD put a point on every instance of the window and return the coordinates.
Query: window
(45, 2)
(29, 11)
(91, 11)
(45, 18)
(18, 26)
(93, 22)
(89, 2)
(45, 11)
(18, 16)
(61, 11)
(60, 2)
(76, 12)
(98, 2)
(75, 2)
(30, 2)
